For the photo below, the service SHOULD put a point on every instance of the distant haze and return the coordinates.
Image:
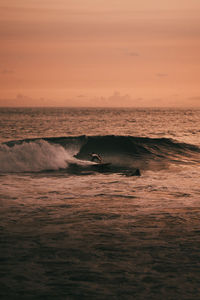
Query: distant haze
(100, 53)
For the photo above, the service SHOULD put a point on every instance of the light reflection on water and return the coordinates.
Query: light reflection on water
(101, 236)
(180, 124)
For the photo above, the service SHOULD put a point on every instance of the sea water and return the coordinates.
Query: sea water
(70, 230)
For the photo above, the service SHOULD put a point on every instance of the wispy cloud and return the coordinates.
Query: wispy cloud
(81, 96)
(6, 72)
(129, 52)
(196, 98)
(161, 75)
(132, 53)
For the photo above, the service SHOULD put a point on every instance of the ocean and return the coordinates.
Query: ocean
(71, 229)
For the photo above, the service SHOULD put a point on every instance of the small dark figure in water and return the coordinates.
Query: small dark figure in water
(136, 172)
(96, 157)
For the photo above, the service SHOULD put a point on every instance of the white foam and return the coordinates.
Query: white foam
(34, 157)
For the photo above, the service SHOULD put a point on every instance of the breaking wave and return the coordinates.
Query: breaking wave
(32, 157)
(36, 155)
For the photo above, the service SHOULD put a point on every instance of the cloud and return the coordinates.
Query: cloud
(132, 53)
(161, 74)
(196, 98)
(139, 99)
(6, 71)
(22, 97)
(81, 96)
(23, 101)
(117, 100)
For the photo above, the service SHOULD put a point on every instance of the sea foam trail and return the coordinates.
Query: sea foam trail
(34, 157)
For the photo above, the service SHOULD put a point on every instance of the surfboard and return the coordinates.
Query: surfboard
(101, 166)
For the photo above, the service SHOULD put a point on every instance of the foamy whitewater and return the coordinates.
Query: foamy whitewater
(71, 229)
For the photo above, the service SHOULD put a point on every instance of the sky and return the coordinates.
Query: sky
(135, 53)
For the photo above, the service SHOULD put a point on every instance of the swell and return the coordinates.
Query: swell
(131, 144)
(122, 151)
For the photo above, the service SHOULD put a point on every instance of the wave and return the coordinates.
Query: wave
(35, 156)
(73, 153)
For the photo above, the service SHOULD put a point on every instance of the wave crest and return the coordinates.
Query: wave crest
(33, 157)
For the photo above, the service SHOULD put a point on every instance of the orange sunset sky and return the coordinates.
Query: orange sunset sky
(100, 53)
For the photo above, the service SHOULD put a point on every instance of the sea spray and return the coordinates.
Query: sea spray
(33, 157)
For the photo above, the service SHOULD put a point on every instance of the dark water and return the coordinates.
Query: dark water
(70, 230)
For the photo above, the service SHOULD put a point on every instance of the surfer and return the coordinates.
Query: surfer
(96, 157)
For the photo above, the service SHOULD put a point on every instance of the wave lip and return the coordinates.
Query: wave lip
(136, 148)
